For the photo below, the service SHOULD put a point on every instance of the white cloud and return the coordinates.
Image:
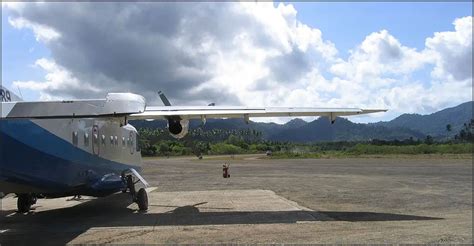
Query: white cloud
(379, 72)
(380, 54)
(255, 54)
(42, 32)
(58, 80)
(453, 51)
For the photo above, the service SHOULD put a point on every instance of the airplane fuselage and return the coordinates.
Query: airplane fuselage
(59, 157)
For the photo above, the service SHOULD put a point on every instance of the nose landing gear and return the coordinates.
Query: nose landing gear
(24, 202)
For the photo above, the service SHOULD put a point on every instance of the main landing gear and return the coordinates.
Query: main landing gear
(140, 197)
(25, 201)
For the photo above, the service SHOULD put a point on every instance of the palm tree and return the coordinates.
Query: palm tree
(448, 130)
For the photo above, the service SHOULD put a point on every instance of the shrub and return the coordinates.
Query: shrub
(225, 149)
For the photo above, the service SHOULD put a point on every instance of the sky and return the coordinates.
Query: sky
(405, 57)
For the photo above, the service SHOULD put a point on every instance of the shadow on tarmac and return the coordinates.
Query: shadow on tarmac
(60, 226)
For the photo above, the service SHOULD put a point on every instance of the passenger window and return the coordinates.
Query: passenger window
(74, 138)
(123, 141)
(116, 140)
(103, 139)
(86, 139)
(111, 140)
(96, 139)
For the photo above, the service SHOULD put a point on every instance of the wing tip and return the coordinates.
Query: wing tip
(374, 110)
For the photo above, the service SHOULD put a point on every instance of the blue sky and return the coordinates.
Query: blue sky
(20, 50)
(346, 25)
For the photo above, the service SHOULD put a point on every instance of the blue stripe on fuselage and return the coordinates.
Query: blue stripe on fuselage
(32, 156)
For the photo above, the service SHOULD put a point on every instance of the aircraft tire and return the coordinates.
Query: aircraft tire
(24, 203)
(142, 200)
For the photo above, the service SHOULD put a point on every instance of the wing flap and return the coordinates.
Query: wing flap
(243, 112)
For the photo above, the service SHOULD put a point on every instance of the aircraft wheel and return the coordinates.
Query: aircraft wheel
(24, 202)
(142, 200)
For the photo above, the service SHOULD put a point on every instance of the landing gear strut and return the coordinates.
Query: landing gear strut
(24, 202)
(140, 197)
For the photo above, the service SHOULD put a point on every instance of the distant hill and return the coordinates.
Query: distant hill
(297, 130)
(342, 130)
(434, 124)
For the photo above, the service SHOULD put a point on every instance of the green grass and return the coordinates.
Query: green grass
(367, 150)
(455, 150)
(295, 155)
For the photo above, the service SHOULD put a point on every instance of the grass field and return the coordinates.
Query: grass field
(339, 155)
(452, 150)
(430, 151)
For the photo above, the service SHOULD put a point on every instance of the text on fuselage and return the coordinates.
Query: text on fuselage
(5, 95)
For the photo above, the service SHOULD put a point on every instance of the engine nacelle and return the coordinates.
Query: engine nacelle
(178, 128)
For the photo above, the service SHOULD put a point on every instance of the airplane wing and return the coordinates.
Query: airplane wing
(207, 112)
(133, 106)
(115, 104)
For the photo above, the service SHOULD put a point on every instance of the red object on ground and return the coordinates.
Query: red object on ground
(225, 171)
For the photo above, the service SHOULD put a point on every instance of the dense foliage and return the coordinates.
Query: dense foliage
(466, 134)
(158, 142)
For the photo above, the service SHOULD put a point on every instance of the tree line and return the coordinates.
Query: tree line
(198, 142)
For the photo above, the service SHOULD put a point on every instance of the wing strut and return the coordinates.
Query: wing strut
(163, 98)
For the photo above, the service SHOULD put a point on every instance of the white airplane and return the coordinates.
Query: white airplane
(87, 147)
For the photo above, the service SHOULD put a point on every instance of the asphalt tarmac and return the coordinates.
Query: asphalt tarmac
(373, 200)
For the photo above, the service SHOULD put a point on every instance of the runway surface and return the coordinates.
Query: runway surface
(266, 201)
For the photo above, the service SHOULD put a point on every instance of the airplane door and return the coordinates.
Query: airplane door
(95, 140)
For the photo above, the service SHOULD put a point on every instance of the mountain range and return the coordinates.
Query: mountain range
(434, 124)
(297, 130)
